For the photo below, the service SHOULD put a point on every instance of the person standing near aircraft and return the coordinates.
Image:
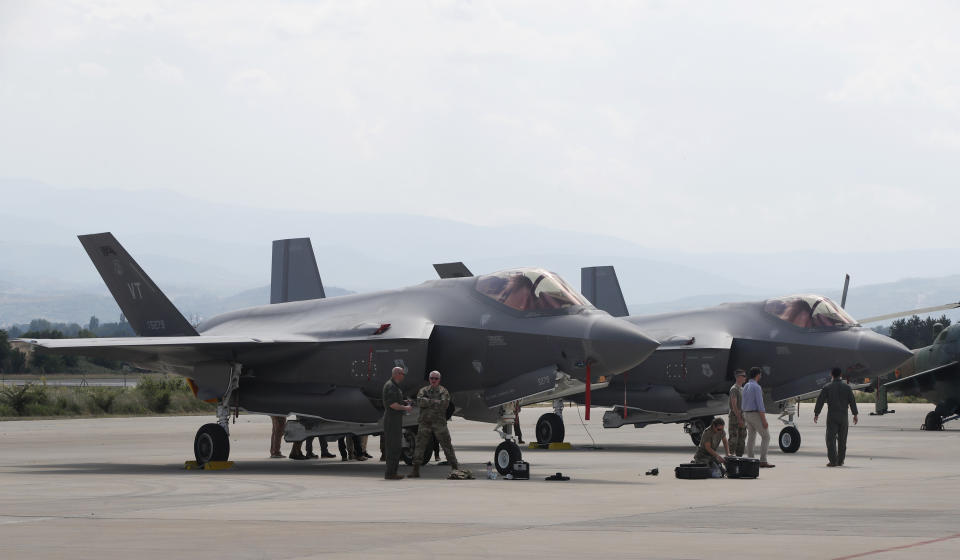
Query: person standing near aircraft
(838, 396)
(279, 423)
(755, 416)
(738, 427)
(433, 401)
(394, 406)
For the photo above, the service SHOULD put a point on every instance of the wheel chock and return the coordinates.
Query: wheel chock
(551, 446)
(211, 466)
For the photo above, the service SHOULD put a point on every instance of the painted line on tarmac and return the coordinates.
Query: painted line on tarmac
(882, 550)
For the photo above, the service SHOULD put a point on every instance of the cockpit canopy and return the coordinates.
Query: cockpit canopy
(809, 311)
(530, 289)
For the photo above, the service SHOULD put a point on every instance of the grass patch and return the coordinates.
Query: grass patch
(152, 395)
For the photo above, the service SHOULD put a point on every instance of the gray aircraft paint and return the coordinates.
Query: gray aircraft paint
(329, 358)
(689, 375)
(294, 275)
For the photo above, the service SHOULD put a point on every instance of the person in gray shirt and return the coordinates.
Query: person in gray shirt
(838, 396)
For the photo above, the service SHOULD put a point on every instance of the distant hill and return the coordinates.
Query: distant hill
(207, 256)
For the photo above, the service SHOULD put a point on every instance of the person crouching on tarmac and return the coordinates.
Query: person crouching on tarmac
(709, 444)
(433, 400)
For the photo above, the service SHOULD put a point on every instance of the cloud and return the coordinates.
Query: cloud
(160, 71)
(86, 70)
(253, 81)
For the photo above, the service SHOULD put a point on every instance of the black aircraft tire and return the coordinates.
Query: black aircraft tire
(933, 422)
(695, 438)
(505, 456)
(550, 429)
(409, 445)
(211, 444)
(789, 439)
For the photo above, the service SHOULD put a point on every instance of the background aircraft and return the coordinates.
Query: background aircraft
(500, 338)
(933, 372)
(795, 339)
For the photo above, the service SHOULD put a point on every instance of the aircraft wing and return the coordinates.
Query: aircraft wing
(174, 353)
(926, 382)
(909, 313)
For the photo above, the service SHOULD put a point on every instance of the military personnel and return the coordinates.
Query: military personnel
(738, 427)
(433, 401)
(709, 444)
(394, 405)
(755, 416)
(276, 435)
(838, 396)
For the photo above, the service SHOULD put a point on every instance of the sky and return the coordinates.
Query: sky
(750, 126)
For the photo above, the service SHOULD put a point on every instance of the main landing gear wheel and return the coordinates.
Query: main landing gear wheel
(211, 444)
(933, 422)
(695, 438)
(789, 439)
(409, 445)
(550, 428)
(505, 456)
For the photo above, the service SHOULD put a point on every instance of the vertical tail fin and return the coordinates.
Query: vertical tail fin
(294, 275)
(147, 309)
(452, 270)
(599, 284)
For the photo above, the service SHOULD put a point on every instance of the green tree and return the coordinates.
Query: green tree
(4, 350)
(914, 332)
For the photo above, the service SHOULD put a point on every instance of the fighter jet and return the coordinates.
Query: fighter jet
(795, 339)
(502, 337)
(933, 372)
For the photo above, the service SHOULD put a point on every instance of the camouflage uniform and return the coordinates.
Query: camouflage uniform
(392, 426)
(738, 433)
(433, 402)
(715, 438)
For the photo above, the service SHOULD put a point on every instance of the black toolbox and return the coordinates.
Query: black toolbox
(692, 471)
(742, 467)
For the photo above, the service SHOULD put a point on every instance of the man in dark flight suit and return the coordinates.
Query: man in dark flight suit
(838, 396)
(394, 405)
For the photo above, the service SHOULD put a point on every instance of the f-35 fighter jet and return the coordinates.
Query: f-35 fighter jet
(500, 337)
(795, 339)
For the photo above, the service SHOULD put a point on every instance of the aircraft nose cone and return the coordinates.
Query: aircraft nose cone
(615, 345)
(882, 354)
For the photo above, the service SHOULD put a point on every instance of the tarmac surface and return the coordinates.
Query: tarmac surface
(116, 488)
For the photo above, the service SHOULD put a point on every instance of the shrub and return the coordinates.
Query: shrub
(20, 397)
(102, 398)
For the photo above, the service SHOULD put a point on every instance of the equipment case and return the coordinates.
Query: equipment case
(742, 467)
(692, 471)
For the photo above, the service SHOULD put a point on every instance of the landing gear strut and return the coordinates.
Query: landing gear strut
(508, 452)
(789, 436)
(696, 427)
(550, 425)
(212, 442)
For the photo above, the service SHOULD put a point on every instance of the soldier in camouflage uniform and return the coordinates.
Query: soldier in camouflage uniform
(433, 401)
(708, 450)
(738, 428)
(394, 406)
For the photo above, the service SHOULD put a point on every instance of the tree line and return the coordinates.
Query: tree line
(16, 361)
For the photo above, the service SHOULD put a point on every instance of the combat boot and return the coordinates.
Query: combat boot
(416, 471)
(454, 465)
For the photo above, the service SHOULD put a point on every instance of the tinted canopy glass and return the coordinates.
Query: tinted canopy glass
(529, 289)
(809, 312)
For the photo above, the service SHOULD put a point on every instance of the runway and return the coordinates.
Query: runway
(116, 488)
